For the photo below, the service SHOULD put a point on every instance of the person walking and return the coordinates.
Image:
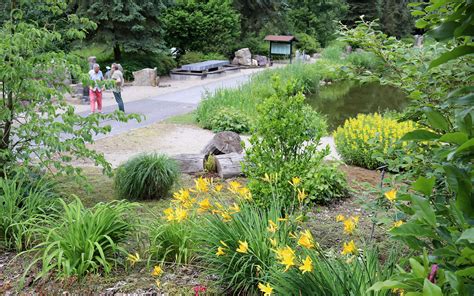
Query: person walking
(95, 92)
(117, 76)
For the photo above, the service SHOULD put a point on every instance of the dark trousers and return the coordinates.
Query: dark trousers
(118, 99)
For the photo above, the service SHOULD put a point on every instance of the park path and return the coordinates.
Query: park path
(163, 106)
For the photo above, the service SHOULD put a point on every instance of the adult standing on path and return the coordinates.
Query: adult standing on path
(117, 76)
(95, 92)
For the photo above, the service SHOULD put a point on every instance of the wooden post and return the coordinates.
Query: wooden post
(291, 51)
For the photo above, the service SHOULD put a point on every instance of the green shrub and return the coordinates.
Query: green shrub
(77, 241)
(307, 43)
(364, 60)
(146, 176)
(325, 183)
(362, 138)
(210, 165)
(229, 120)
(195, 56)
(256, 44)
(173, 242)
(240, 272)
(333, 52)
(22, 202)
(283, 143)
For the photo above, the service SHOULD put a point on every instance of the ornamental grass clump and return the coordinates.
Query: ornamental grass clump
(146, 176)
(372, 140)
(22, 202)
(75, 240)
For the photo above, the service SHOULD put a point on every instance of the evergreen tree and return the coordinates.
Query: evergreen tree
(317, 18)
(202, 25)
(126, 25)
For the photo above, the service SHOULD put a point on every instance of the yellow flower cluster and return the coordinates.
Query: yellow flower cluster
(349, 225)
(360, 137)
(199, 199)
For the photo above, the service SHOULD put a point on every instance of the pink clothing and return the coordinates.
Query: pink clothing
(95, 95)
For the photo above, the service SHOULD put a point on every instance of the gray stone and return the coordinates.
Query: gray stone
(145, 77)
(254, 63)
(235, 61)
(316, 55)
(203, 66)
(261, 60)
(348, 49)
(244, 57)
(418, 41)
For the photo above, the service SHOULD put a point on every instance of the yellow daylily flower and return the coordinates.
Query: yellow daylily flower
(180, 214)
(218, 187)
(158, 283)
(295, 181)
(349, 248)
(220, 251)
(201, 184)
(273, 241)
(204, 206)
(306, 239)
(286, 256)
(226, 217)
(301, 195)
(349, 226)
(234, 186)
(234, 208)
(133, 258)
(265, 289)
(355, 219)
(169, 213)
(307, 265)
(397, 223)
(157, 271)
(391, 195)
(243, 247)
(340, 218)
(272, 227)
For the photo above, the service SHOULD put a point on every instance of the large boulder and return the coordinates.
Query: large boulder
(243, 57)
(145, 77)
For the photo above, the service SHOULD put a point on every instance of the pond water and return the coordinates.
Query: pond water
(346, 99)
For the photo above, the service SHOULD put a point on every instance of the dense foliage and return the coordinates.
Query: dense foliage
(146, 176)
(370, 140)
(206, 26)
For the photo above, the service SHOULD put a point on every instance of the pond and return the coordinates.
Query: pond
(346, 99)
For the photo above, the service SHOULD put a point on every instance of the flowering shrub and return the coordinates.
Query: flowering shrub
(360, 139)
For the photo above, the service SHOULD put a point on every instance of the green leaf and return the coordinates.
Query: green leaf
(424, 185)
(467, 235)
(413, 228)
(420, 135)
(467, 145)
(460, 183)
(444, 31)
(453, 54)
(417, 268)
(418, 13)
(466, 272)
(421, 23)
(454, 138)
(436, 119)
(430, 289)
(389, 284)
(424, 210)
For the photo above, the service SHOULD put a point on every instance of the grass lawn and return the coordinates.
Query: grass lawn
(188, 118)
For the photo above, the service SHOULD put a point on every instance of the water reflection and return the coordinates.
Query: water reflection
(346, 99)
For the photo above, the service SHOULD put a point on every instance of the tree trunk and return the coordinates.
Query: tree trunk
(229, 165)
(223, 143)
(117, 53)
(190, 163)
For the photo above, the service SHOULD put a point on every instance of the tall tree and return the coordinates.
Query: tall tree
(202, 25)
(257, 13)
(394, 15)
(126, 25)
(317, 18)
